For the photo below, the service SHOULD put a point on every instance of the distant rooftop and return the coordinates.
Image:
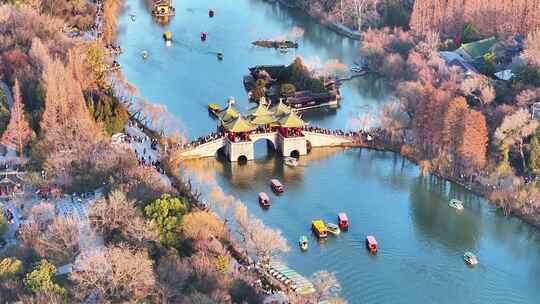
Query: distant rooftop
(476, 49)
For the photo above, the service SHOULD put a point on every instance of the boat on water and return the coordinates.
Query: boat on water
(343, 221)
(145, 55)
(220, 56)
(204, 35)
(371, 244)
(167, 36)
(283, 49)
(291, 161)
(333, 228)
(319, 228)
(213, 108)
(264, 200)
(470, 258)
(211, 13)
(456, 204)
(277, 186)
(132, 16)
(303, 242)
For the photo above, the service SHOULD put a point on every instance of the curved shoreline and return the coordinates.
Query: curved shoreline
(333, 26)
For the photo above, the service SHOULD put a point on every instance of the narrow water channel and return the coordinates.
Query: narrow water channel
(422, 240)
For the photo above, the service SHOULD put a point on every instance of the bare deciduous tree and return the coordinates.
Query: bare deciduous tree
(114, 273)
(515, 128)
(257, 238)
(118, 214)
(60, 240)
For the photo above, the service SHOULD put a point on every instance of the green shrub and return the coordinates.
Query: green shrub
(3, 225)
(470, 34)
(41, 279)
(287, 89)
(109, 112)
(167, 212)
(10, 268)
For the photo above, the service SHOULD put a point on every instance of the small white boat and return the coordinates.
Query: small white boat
(132, 17)
(291, 161)
(456, 204)
(470, 258)
(356, 69)
(145, 55)
(303, 242)
(333, 228)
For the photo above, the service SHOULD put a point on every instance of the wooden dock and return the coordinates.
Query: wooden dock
(290, 278)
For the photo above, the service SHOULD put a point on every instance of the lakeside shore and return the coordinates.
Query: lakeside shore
(324, 21)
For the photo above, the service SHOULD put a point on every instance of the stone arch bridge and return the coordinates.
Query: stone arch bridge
(286, 146)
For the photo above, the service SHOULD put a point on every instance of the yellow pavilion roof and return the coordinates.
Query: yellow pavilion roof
(260, 110)
(263, 120)
(280, 109)
(291, 120)
(238, 125)
(228, 114)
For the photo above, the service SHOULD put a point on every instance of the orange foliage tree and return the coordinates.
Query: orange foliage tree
(18, 132)
(488, 16)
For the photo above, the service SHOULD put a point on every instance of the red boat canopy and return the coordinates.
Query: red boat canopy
(264, 196)
(343, 217)
(371, 240)
(276, 183)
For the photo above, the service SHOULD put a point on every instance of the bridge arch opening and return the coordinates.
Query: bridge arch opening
(295, 154)
(242, 159)
(263, 148)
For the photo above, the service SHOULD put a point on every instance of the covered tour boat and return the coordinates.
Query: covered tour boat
(319, 228)
(456, 204)
(303, 242)
(343, 221)
(291, 161)
(333, 228)
(264, 200)
(213, 108)
(371, 244)
(470, 258)
(167, 36)
(145, 55)
(277, 186)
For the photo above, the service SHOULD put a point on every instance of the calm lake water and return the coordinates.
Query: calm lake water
(422, 240)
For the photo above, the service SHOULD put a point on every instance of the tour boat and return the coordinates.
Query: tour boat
(470, 258)
(276, 186)
(343, 221)
(264, 200)
(213, 108)
(204, 35)
(167, 36)
(333, 228)
(303, 242)
(145, 55)
(319, 228)
(371, 244)
(291, 161)
(456, 204)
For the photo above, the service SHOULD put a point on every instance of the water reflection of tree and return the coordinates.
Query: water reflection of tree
(435, 220)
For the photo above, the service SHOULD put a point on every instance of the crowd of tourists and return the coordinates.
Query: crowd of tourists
(201, 140)
(114, 49)
(290, 132)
